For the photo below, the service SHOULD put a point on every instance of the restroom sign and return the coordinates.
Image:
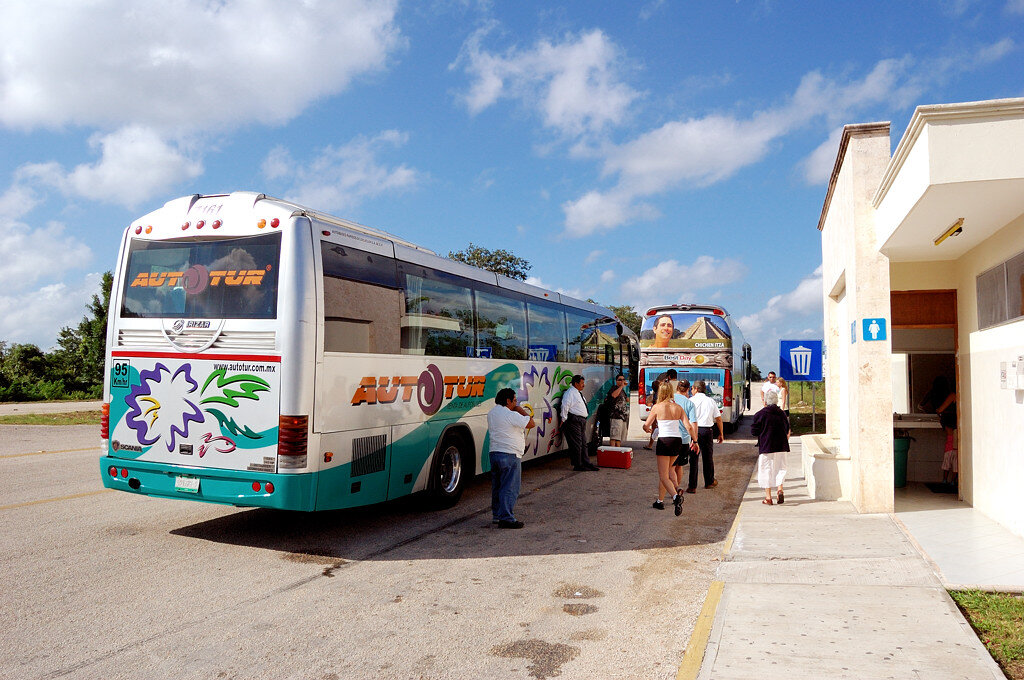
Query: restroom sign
(873, 329)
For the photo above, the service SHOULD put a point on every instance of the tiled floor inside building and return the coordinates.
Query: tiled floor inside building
(969, 548)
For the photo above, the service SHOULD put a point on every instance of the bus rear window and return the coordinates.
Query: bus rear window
(223, 279)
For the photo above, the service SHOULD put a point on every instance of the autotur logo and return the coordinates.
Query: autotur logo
(178, 326)
(431, 388)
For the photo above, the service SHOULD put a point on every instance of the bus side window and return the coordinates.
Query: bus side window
(500, 326)
(362, 304)
(580, 332)
(438, 318)
(547, 333)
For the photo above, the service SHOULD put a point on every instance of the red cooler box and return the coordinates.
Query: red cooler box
(615, 457)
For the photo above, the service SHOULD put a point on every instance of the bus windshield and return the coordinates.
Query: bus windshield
(232, 278)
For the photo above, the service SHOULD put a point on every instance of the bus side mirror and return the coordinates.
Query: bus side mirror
(618, 329)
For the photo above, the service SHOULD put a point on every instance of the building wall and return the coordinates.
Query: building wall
(992, 419)
(856, 286)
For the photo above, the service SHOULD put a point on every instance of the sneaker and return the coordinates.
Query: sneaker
(658, 505)
(677, 501)
(510, 524)
(712, 485)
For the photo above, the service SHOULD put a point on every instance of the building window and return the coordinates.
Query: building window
(1001, 293)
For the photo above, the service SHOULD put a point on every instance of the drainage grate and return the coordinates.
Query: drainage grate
(369, 454)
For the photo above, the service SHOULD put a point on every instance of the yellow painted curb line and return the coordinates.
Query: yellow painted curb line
(43, 453)
(694, 656)
(51, 500)
(732, 532)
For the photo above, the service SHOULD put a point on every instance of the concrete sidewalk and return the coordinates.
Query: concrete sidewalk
(813, 589)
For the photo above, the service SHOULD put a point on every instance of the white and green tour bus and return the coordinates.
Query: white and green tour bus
(263, 354)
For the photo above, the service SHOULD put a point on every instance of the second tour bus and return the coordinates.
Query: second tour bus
(260, 353)
(701, 342)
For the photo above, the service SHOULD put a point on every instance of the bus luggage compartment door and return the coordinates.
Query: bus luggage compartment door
(354, 468)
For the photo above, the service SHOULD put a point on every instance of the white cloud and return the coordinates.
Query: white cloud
(607, 275)
(594, 256)
(190, 64)
(571, 292)
(702, 151)
(17, 201)
(30, 309)
(817, 168)
(135, 165)
(28, 255)
(340, 178)
(805, 299)
(671, 281)
(1015, 6)
(36, 316)
(795, 314)
(575, 84)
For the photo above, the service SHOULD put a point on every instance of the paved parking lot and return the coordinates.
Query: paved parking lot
(113, 585)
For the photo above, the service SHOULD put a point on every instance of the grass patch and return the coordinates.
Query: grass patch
(998, 618)
(801, 423)
(801, 395)
(74, 418)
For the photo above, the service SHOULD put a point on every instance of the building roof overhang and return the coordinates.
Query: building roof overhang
(954, 161)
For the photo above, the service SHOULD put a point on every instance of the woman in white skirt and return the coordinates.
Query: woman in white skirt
(772, 429)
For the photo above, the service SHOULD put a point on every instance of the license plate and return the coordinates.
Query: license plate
(186, 484)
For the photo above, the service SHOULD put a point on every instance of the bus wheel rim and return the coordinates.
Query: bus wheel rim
(451, 469)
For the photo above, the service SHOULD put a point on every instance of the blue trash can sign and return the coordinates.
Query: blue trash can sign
(800, 359)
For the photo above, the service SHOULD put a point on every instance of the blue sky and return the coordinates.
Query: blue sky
(634, 153)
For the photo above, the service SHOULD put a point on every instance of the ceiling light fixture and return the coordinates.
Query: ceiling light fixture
(953, 230)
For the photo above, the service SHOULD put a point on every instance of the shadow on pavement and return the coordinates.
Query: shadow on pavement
(565, 513)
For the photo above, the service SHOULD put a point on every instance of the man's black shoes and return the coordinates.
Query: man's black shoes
(590, 467)
(510, 524)
(579, 468)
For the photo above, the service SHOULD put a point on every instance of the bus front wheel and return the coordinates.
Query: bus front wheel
(451, 469)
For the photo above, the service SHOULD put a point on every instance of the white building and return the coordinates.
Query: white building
(928, 244)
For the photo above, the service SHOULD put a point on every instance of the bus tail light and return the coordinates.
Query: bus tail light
(727, 389)
(640, 392)
(105, 421)
(292, 439)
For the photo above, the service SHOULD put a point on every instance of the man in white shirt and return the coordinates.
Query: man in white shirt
(574, 421)
(708, 416)
(507, 423)
(769, 386)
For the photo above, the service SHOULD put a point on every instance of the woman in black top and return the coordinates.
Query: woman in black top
(772, 429)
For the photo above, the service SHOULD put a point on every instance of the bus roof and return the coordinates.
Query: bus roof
(687, 307)
(239, 201)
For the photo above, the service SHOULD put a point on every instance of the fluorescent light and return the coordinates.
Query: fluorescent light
(953, 230)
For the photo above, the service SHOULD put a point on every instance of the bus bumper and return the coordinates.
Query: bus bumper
(226, 487)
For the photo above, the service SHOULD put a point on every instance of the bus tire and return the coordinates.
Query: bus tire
(729, 427)
(450, 471)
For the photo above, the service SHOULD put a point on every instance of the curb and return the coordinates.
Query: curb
(693, 658)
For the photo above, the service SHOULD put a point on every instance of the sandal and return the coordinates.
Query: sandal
(767, 501)
(782, 498)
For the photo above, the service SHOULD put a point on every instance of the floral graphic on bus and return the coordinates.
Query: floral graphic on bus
(544, 392)
(157, 411)
(164, 403)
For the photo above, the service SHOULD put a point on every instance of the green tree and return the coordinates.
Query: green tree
(499, 261)
(755, 372)
(628, 316)
(81, 350)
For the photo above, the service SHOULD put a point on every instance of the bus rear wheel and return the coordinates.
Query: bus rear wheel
(449, 472)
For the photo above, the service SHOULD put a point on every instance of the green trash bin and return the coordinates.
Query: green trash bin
(900, 446)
